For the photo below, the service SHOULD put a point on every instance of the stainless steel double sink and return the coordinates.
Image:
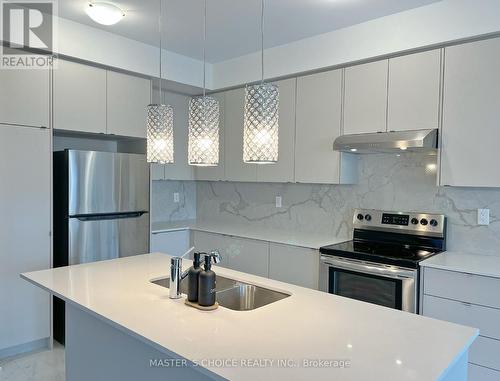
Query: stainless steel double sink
(234, 294)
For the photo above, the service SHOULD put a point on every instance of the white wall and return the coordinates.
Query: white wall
(431, 25)
(435, 24)
(92, 44)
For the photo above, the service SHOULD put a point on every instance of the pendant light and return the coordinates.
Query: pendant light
(160, 123)
(261, 118)
(204, 112)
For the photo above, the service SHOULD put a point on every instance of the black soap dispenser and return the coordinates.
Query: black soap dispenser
(206, 285)
(193, 274)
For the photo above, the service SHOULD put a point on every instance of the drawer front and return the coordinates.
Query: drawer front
(485, 352)
(464, 287)
(485, 318)
(479, 373)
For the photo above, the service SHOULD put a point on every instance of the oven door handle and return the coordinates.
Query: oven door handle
(369, 268)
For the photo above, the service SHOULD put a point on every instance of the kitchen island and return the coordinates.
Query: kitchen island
(120, 326)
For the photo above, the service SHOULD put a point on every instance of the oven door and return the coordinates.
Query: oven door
(385, 285)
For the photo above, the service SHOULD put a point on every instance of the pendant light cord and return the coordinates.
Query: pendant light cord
(160, 30)
(204, 47)
(262, 39)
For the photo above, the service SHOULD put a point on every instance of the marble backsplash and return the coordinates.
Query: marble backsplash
(163, 207)
(406, 182)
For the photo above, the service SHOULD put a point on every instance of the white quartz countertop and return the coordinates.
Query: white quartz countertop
(477, 264)
(287, 237)
(380, 343)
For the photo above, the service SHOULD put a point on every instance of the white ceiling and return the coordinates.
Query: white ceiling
(234, 25)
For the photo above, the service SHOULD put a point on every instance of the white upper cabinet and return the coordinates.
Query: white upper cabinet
(127, 99)
(157, 171)
(365, 102)
(180, 169)
(24, 97)
(215, 173)
(79, 97)
(413, 99)
(236, 169)
(319, 105)
(471, 115)
(283, 170)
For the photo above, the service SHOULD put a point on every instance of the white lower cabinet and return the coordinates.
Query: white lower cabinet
(174, 243)
(24, 237)
(241, 254)
(286, 263)
(295, 265)
(470, 300)
(486, 352)
(464, 313)
(480, 373)
(469, 288)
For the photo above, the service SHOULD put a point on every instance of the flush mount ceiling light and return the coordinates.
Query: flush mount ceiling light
(104, 13)
(261, 118)
(204, 112)
(160, 123)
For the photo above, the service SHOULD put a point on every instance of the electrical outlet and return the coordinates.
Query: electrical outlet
(483, 216)
(278, 202)
(176, 197)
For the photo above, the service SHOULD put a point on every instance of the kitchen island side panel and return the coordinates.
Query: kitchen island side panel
(98, 351)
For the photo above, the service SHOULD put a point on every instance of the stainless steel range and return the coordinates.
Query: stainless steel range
(381, 263)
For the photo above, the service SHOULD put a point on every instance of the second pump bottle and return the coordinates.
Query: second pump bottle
(201, 282)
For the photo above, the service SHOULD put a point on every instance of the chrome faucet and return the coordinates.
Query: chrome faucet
(177, 275)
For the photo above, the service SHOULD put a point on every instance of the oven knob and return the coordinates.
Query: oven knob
(368, 217)
(414, 221)
(433, 223)
(360, 217)
(423, 221)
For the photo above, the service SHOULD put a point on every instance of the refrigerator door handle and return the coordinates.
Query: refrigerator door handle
(110, 216)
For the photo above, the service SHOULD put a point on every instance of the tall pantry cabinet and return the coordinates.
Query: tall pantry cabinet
(24, 236)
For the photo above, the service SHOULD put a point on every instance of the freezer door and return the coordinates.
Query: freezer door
(106, 182)
(97, 238)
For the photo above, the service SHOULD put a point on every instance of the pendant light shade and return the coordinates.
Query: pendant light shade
(160, 134)
(160, 123)
(203, 126)
(261, 117)
(260, 134)
(203, 145)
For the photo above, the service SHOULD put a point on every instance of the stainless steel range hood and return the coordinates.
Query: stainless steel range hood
(388, 142)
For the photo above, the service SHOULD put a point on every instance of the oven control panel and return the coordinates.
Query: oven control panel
(395, 219)
(403, 222)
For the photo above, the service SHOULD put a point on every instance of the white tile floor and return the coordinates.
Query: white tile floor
(45, 365)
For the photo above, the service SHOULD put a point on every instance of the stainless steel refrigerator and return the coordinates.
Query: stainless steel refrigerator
(101, 205)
